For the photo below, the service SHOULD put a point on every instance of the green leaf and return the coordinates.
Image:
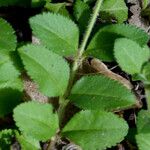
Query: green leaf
(147, 93)
(100, 92)
(48, 69)
(82, 14)
(116, 9)
(88, 1)
(59, 8)
(143, 141)
(28, 143)
(95, 129)
(130, 56)
(8, 71)
(22, 3)
(146, 72)
(102, 44)
(10, 95)
(143, 122)
(7, 38)
(143, 128)
(36, 120)
(56, 32)
(38, 3)
(6, 139)
(145, 3)
(14, 84)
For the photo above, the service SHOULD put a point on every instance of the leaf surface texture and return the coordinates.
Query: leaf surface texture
(95, 129)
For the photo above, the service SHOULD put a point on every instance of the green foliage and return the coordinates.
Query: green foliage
(14, 84)
(95, 129)
(147, 93)
(82, 14)
(6, 139)
(88, 1)
(137, 56)
(48, 69)
(100, 92)
(7, 38)
(14, 3)
(36, 120)
(143, 141)
(22, 3)
(143, 122)
(145, 3)
(102, 44)
(112, 9)
(116, 9)
(56, 32)
(28, 143)
(146, 73)
(10, 95)
(143, 128)
(8, 70)
(59, 8)
(38, 3)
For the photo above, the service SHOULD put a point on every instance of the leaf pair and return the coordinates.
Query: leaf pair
(51, 72)
(89, 129)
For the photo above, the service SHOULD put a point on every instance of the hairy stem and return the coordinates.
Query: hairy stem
(79, 58)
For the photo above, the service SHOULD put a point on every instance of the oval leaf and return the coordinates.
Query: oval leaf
(36, 120)
(56, 32)
(102, 44)
(7, 38)
(48, 69)
(95, 129)
(130, 56)
(100, 92)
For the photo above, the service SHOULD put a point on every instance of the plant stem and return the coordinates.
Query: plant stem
(79, 58)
